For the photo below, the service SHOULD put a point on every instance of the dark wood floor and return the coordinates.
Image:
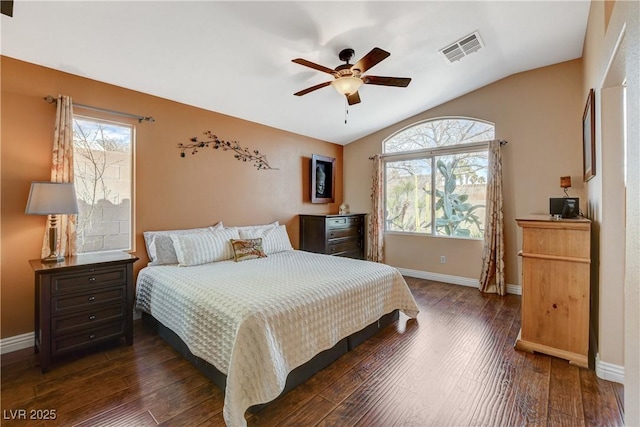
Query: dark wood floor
(454, 366)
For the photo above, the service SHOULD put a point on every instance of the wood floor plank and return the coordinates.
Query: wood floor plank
(564, 389)
(454, 365)
(310, 413)
(197, 414)
(599, 400)
(531, 402)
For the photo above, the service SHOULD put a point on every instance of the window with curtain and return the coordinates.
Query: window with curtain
(103, 167)
(435, 175)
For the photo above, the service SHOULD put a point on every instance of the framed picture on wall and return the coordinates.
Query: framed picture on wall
(323, 179)
(589, 137)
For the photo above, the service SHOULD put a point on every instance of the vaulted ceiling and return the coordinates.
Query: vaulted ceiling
(234, 57)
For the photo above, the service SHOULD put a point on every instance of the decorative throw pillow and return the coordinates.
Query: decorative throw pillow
(202, 248)
(274, 239)
(245, 249)
(160, 246)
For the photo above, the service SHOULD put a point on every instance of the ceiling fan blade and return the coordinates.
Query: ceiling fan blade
(313, 65)
(6, 7)
(387, 81)
(354, 98)
(371, 59)
(312, 88)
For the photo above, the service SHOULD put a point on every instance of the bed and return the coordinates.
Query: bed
(256, 323)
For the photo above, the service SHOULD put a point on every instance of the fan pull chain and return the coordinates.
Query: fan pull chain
(346, 110)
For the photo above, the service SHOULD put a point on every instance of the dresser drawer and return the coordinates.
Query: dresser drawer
(356, 254)
(86, 319)
(341, 222)
(89, 337)
(86, 300)
(339, 233)
(345, 245)
(88, 279)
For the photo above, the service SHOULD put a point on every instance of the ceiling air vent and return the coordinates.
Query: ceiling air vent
(463, 47)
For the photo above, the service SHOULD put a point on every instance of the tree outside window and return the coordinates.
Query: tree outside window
(103, 179)
(435, 178)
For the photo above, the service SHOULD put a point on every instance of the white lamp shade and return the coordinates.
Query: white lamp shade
(347, 85)
(52, 198)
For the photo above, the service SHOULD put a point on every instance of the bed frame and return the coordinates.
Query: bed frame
(295, 377)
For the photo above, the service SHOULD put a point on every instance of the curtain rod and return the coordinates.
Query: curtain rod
(51, 100)
(502, 142)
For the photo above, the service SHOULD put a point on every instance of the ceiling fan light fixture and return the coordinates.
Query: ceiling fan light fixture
(347, 85)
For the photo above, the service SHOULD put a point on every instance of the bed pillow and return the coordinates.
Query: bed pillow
(274, 239)
(160, 246)
(250, 230)
(245, 249)
(203, 248)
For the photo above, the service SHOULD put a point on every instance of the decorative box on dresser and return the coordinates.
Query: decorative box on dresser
(82, 301)
(341, 235)
(556, 257)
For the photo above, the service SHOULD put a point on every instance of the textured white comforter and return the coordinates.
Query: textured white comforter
(258, 320)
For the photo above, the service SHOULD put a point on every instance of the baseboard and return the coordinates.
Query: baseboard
(456, 280)
(609, 371)
(17, 342)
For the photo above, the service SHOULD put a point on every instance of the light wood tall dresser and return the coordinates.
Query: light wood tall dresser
(556, 258)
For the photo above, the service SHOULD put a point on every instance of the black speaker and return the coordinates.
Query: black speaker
(567, 207)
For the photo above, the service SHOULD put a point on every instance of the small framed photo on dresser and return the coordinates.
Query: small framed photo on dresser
(323, 179)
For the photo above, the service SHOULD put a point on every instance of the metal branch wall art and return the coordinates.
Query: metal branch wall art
(243, 154)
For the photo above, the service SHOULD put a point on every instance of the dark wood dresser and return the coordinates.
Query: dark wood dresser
(82, 301)
(341, 235)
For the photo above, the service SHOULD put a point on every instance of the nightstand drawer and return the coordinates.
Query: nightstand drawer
(62, 304)
(343, 222)
(74, 341)
(86, 319)
(89, 278)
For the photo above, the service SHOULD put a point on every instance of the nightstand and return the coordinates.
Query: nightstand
(82, 301)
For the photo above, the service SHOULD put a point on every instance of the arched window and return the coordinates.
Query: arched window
(435, 177)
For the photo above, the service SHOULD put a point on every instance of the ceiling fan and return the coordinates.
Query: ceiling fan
(348, 77)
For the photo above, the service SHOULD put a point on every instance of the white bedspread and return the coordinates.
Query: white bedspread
(258, 320)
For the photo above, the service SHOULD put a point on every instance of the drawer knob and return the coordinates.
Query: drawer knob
(92, 279)
(92, 317)
(92, 336)
(91, 298)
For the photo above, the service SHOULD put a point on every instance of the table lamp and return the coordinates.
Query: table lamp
(53, 199)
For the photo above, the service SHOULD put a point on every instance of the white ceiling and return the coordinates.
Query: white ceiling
(235, 57)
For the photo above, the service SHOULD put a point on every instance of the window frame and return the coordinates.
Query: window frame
(429, 154)
(132, 211)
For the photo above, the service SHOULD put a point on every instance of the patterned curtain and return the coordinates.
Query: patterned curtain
(62, 171)
(375, 250)
(492, 277)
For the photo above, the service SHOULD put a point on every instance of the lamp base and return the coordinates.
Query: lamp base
(53, 240)
(52, 258)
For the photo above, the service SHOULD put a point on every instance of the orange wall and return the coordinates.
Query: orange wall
(170, 191)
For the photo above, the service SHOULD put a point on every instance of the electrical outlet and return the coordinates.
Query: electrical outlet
(443, 259)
